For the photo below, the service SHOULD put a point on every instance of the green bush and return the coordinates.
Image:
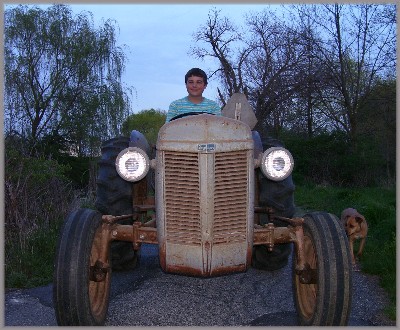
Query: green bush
(147, 122)
(329, 158)
(78, 169)
(37, 198)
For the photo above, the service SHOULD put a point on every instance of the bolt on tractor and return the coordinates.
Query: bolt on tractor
(216, 199)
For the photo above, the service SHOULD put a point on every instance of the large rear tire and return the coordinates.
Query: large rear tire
(276, 194)
(326, 299)
(78, 300)
(114, 196)
(280, 196)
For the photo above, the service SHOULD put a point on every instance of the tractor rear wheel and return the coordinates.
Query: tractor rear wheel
(280, 196)
(114, 197)
(114, 194)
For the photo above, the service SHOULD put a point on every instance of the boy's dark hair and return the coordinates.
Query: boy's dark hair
(197, 73)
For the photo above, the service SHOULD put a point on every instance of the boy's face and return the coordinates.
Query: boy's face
(195, 86)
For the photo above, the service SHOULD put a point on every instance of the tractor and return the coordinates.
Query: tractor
(216, 199)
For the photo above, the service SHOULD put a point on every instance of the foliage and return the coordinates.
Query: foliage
(37, 196)
(148, 122)
(80, 170)
(329, 158)
(332, 157)
(378, 205)
(62, 76)
(377, 124)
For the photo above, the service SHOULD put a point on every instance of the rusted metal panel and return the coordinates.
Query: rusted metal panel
(139, 192)
(218, 259)
(187, 270)
(182, 197)
(227, 258)
(230, 197)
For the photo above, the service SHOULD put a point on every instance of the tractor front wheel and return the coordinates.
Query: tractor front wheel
(322, 292)
(82, 275)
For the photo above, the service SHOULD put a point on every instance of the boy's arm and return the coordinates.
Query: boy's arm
(172, 112)
(217, 109)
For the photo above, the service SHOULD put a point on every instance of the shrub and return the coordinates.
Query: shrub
(329, 158)
(37, 198)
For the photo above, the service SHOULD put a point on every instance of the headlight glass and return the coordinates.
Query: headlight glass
(132, 164)
(277, 163)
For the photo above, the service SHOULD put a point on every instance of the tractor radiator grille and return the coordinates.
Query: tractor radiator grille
(230, 197)
(182, 197)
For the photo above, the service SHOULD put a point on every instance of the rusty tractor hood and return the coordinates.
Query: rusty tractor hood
(204, 129)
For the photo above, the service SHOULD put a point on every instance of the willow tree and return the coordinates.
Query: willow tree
(62, 77)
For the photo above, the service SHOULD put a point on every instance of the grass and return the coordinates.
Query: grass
(378, 205)
(30, 264)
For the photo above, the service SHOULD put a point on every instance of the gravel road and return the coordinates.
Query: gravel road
(149, 297)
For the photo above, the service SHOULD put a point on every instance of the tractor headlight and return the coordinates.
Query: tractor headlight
(277, 163)
(132, 164)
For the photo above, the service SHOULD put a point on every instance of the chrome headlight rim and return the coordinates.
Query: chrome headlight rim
(133, 154)
(267, 166)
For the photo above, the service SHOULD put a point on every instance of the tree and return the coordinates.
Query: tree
(306, 117)
(308, 72)
(260, 61)
(356, 51)
(147, 122)
(62, 77)
(222, 36)
(377, 126)
(271, 69)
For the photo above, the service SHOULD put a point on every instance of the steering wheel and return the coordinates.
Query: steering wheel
(190, 114)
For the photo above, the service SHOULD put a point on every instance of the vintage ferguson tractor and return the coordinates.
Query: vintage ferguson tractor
(223, 202)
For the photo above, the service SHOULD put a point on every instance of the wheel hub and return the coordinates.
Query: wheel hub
(307, 275)
(98, 271)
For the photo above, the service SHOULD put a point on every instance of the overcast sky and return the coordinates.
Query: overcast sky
(159, 38)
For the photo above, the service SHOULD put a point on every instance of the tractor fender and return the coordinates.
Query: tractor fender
(137, 139)
(258, 147)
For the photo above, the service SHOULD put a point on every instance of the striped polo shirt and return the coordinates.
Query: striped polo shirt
(183, 105)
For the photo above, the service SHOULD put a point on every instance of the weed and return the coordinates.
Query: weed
(32, 265)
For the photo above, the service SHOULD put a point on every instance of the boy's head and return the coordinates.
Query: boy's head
(196, 72)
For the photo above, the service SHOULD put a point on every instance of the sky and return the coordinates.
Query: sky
(158, 38)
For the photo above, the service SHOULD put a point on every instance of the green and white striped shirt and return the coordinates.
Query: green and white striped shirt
(183, 105)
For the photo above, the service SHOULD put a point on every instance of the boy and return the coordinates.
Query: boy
(196, 83)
